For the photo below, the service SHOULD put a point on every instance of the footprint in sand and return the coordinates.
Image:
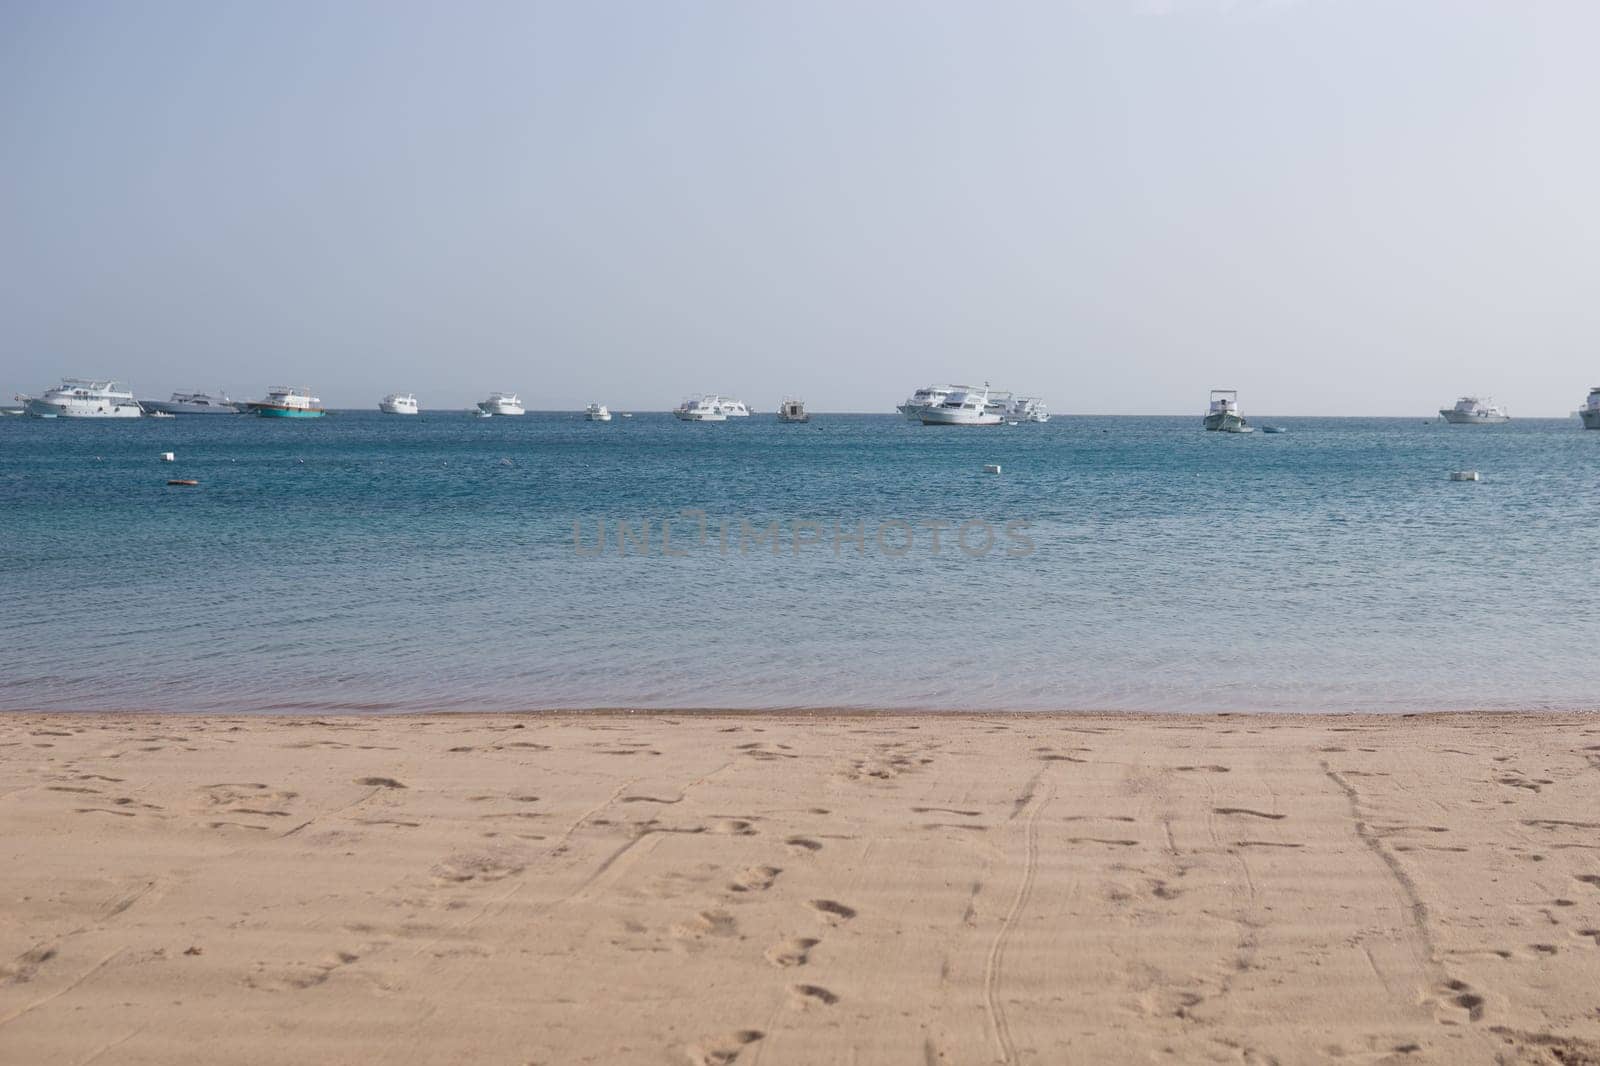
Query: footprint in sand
(832, 909)
(723, 1050)
(803, 844)
(802, 997)
(1251, 813)
(26, 965)
(459, 869)
(755, 879)
(379, 782)
(796, 951)
(739, 827)
(707, 923)
(1460, 994)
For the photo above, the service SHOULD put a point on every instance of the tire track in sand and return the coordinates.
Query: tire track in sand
(994, 970)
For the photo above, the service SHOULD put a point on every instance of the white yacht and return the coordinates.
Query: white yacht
(732, 408)
(1590, 411)
(596, 412)
(923, 397)
(500, 403)
(191, 403)
(1223, 414)
(700, 409)
(966, 405)
(1027, 409)
(81, 398)
(396, 404)
(1475, 411)
(792, 410)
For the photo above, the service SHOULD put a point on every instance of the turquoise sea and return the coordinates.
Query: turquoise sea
(372, 562)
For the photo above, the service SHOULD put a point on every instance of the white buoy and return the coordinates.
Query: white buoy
(167, 457)
(1465, 475)
(991, 468)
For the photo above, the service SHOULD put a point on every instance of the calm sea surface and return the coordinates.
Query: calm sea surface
(372, 562)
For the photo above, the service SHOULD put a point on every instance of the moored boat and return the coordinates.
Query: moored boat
(706, 408)
(1590, 411)
(967, 405)
(192, 403)
(1475, 411)
(501, 403)
(792, 410)
(922, 398)
(1223, 414)
(398, 404)
(1028, 409)
(596, 412)
(84, 398)
(285, 401)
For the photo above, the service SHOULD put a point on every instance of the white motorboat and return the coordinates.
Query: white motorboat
(478, 412)
(82, 398)
(926, 396)
(706, 408)
(500, 403)
(192, 403)
(732, 408)
(1590, 411)
(1475, 411)
(792, 410)
(1223, 414)
(967, 405)
(396, 404)
(596, 412)
(1028, 409)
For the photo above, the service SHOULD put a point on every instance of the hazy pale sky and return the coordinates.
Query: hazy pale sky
(1335, 206)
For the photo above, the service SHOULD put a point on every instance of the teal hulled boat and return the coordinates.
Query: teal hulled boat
(285, 402)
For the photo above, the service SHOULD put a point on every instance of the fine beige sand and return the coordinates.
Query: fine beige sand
(799, 888)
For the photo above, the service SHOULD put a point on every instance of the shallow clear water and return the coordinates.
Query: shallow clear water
(365, 561)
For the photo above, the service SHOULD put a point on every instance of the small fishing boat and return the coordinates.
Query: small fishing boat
(596, 412)
(792, 410)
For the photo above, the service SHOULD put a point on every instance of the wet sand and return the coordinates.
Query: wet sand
(818, 888)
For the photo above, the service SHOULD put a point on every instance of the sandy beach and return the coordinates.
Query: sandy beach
(799, 888)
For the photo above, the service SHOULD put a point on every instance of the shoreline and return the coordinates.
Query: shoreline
(819, 711)
(765, 887)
